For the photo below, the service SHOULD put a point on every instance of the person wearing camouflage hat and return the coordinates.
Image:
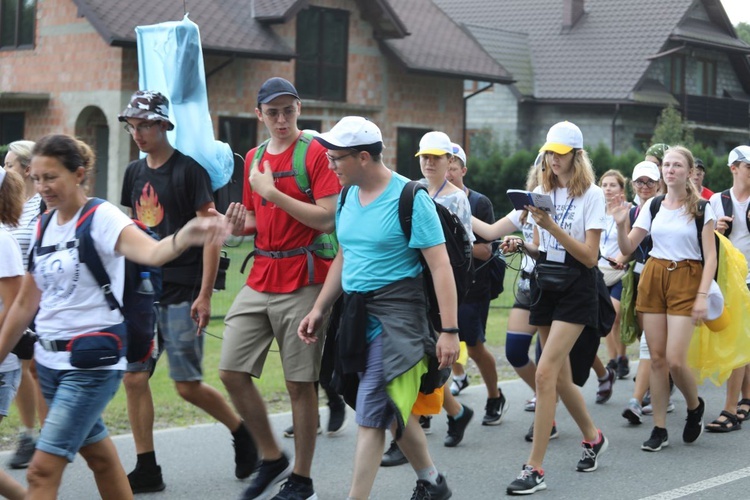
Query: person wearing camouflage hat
(655, 153)
(147, 105)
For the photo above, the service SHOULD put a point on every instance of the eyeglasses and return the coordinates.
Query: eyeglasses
(141, 128)
(273, 114)
(650, 183)
(334, 159)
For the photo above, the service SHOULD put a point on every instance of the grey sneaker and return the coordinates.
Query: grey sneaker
(633, 412)
(649, 409)
(24, 452)
(552, 435)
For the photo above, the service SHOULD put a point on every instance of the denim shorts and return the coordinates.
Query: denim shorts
(373, 409)
(183, 345)
(76, 400)
(149, 365)
(9, 382)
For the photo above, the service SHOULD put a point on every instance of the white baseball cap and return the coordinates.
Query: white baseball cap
(353, 132)
(459, 151)
(646, 169)
(562, 138)
(435, 143)
(740, 153)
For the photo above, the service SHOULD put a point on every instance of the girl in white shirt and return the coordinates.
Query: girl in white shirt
(672, 289)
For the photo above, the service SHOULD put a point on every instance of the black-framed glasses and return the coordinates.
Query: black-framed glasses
(141, 127)
(334, 159)
(649, 183)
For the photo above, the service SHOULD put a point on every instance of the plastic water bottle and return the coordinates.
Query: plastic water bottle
(146, 287)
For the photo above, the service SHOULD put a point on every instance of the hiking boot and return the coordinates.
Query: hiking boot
(529, 481)
(267, 476)
(425, 422)
(530, 405)
(457, 427)
(495, 410)
(336, 417)
(459, 384)
(658, 440)
(425, 490)
(605, 387)
(552, 435)
(591, 452)
(24, 452)
(393, 456)
(295, 490)
(694, 423)
(146, 481)
(633, 412)
(289, 431)
(649, 409)
(623, 367)
(245, 453)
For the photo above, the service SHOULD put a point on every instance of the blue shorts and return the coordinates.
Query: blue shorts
(184, 347)
(76, 400)
(373, 409)
(149, 365)
(9, 382)
(615, 291)
(472, 322)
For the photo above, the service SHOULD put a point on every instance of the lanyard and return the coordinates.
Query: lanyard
(565, 213)
(608, 232)
(441, 188)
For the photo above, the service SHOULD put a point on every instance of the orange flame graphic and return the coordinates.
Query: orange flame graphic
(148, 209)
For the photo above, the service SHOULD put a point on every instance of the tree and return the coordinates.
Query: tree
(743, 32)
(670, 129)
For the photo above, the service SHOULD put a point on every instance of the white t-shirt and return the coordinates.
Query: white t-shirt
(740, 237)
(458, 204)
(11, 264)
(673, 231)
(608, 246)
(527, 230)
(575, 216)
(26, 227)
(72, 302)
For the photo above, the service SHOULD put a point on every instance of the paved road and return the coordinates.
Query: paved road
(197, 461)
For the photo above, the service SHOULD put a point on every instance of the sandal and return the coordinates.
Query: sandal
(731, 423)
(742, 413)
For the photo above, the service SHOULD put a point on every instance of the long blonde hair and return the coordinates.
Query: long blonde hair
(582, 179)
(693, 196)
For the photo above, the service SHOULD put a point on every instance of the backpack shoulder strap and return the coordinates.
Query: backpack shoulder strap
(41, 227)
(726, 204)
(656, 205)
(700, 219)
(406, 206)
(88, 254)
(344, 192)
(299, 164)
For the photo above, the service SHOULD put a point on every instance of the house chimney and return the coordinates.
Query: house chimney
(572, 12)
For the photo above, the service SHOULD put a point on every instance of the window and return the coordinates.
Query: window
(705, 79)
(17, 23)
(322, 47)
(11, 127)
(310, 125)
(408, 144)
(674, 74)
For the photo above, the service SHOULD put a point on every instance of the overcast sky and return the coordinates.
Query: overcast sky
(737, 10)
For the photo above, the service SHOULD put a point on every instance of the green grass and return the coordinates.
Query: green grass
(171, 410)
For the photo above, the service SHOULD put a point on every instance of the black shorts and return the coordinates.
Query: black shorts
(579, 304)
(472, 322)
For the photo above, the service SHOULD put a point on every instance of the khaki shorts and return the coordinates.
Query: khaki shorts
(256, 319)
(668, 287)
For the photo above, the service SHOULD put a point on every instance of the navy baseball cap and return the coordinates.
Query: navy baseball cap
(275, 87)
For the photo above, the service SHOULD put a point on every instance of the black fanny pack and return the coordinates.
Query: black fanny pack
(93, 349)
(554, 277)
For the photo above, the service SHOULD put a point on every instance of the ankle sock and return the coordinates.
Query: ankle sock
(429, 474)
(240, 431)
(147, 460)
(459, 414)
(598, 439)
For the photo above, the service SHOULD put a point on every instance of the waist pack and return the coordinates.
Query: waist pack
(94, 350)
(553, 277)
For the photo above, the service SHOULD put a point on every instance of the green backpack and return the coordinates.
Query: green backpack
(325, 246)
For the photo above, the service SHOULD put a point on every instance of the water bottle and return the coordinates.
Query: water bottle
(146, 287)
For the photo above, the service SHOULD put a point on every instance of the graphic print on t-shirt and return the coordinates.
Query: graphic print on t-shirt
(60, 272)
(147, 208)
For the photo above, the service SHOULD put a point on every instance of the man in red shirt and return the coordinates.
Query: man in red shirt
(699, 173)
(282, 287)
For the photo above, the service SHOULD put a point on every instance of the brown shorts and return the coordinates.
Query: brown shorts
(256, 319)
(668, 287)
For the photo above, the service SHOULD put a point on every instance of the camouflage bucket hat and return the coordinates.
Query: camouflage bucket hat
(657, 150)
(147, 105)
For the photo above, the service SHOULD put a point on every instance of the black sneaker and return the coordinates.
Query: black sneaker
(425, 490)
(393, 456)
(457, 427)
(459, 384)
(552, 435)
(495, 410)
(24, 452)
(658, 440)
(336, 417)
(267, 476)
(623, 367)
(424, 423)
(694, 423)
(294, 490)
(245, 453)
(529, 481)
(146, 481)
(289, 431)
(591, 453)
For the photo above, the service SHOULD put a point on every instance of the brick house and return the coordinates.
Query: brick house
(610, 66)
(70, 66)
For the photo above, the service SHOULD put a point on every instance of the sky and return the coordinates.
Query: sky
(737, 10)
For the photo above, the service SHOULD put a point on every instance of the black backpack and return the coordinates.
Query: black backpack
(138, 309)
(726, 203)
(457, 243)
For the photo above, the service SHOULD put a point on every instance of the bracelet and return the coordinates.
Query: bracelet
(174, 241)
(449, 330)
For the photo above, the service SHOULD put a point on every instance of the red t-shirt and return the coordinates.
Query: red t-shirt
(277, 230)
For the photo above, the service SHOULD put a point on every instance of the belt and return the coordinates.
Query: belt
(671, 265)
(54, 345)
